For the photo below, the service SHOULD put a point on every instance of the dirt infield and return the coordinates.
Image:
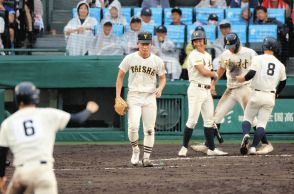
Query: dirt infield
(97, 169)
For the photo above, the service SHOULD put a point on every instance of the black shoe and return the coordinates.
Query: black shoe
(245, 145)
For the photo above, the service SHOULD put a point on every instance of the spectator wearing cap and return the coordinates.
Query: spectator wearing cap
(146, 16)
(106, 43)
(219, 44)
(244, 3)
(212, 4)
(176, 20)
(155, 3)
(212, 19)
(79, 31)
(130, 38)
(166, 49)
(114, 15)
(176, 16)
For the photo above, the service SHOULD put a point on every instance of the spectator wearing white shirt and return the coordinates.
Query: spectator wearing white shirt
(79, 31)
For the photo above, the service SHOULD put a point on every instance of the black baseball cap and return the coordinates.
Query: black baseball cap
(161, 28)
(177, 10)
(213, 16)
(146, 11)
(135, 19)
(144, 37)
(200, 28)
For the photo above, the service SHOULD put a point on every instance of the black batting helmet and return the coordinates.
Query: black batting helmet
(232, 41)
(26, 93)
(270, 43)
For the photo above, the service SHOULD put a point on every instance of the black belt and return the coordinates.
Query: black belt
(265, 91)
(203, 86)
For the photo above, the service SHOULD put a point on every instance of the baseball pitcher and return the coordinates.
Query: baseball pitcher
(143, 68)
(30, 135)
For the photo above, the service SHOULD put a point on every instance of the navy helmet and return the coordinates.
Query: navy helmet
(232, 41)
(26, 93)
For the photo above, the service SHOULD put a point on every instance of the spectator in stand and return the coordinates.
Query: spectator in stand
(219, 44)
(246, 16)
(166, 50)
(212, 4)
(114, 15)
(146, 15)
(11, 22)
(176, 16)
(244, 3)
(177, 20)
(212, 19)
(277, 4)
(29, 23)
(130, 38)
(106, 43)
(155, 3)
(79, 31)
(97, 3)
(38, 15)
(283, 30)
(2, 28)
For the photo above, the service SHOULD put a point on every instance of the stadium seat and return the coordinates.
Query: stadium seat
(126, 12)
(117, 30)
(279, 14)
(175, 33)
(156, 14)
(210, 31)
(233, 15)
(94, 12)
(187, 16)
(203, 13)
(147, 28)
(258, 32)
(241, 31)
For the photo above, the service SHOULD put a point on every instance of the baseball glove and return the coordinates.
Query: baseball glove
(121, 106)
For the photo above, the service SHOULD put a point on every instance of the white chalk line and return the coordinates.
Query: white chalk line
(159, 162)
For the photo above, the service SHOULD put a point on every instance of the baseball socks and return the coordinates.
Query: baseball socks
(148, 146)
(209, 136)
(187, 136)
(258, 135)
(263, 139)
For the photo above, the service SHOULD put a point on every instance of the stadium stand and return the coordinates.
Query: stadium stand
(156, 14)
(187, 15)
(203, 13)
(175, 33)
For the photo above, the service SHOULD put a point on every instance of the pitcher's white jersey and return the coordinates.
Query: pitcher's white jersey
(30, 133)
(269, 71)
(142, 72)
(198, 58)
(236, 64)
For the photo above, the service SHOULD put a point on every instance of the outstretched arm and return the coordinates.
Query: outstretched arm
(82, 116)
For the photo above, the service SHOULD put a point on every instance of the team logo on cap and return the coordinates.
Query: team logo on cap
(228, 42)
(145, 36)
